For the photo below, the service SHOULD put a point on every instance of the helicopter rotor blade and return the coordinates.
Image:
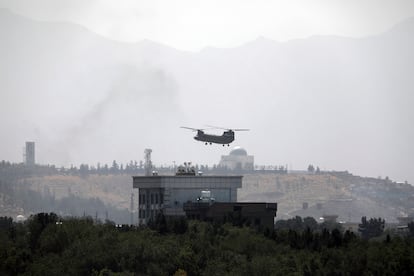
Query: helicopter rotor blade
(190, 128)
(233, 129)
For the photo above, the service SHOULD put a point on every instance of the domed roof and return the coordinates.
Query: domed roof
(239, 151)
(20, 218)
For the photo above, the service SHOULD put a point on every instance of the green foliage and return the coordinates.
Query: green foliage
(6, 223)
(37, 224)
(84, 247)
(371, 228)
(411, 228)
(299, 224)
(174, 225)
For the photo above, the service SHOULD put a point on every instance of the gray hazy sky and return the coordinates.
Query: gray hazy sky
(194, 24)
(342, 104)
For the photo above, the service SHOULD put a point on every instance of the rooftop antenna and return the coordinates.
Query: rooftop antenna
(148, 163)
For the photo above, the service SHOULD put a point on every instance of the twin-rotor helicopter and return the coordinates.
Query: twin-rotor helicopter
(225, 139)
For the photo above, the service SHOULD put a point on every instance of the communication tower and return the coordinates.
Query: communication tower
(148, 163)
(29, 154)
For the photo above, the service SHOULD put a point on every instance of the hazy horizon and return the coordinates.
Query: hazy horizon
(194, 25)
(339, 99)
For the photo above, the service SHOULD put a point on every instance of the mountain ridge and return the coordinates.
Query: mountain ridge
(350, 98)
(407, 23)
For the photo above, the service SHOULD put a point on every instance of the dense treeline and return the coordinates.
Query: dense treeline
(11, 171)
(48, 245)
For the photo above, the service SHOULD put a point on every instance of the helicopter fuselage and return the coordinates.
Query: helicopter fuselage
(226, 138)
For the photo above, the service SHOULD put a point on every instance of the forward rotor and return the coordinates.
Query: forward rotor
(228, 129)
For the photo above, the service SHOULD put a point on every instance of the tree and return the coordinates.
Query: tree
(37, 223)
(115, 167)
(105, 169)
(311, 168)
(372, 228)
(159, 224)
(6, 223)
(411, 228)
(311, 223)
(83, 170)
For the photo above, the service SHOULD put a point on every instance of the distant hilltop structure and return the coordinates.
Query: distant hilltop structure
(237, 160)
(29, 154)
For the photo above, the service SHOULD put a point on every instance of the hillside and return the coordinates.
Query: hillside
(328, 193)
(348, 196)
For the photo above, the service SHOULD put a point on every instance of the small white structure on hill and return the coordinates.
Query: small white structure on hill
(237, 160)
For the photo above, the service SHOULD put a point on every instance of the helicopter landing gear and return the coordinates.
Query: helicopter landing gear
(206, 143)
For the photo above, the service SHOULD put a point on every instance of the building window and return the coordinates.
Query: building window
(156, 198)
(143, 199)
(161, 198)
(152, 199)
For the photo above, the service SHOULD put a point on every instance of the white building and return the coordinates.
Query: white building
(237, 159)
